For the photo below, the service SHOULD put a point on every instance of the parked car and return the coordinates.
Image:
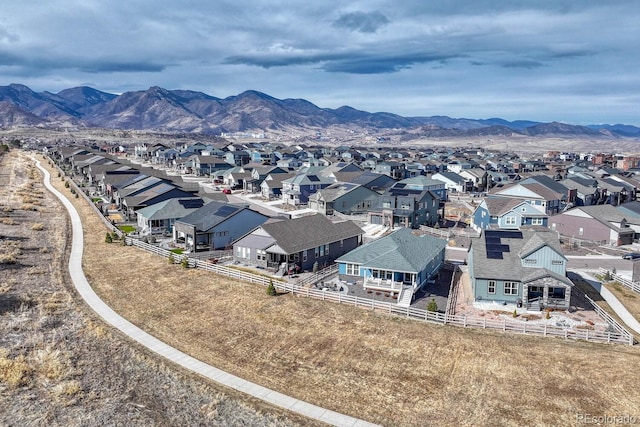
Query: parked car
(631, 255)
(226, 191)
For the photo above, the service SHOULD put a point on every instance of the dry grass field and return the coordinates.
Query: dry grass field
(627, 297)
(368, 365)
(59, 365)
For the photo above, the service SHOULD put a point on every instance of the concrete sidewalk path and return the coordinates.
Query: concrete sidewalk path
(612, 300)
(267, 395)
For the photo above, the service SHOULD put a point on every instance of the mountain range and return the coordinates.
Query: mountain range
(160, 109)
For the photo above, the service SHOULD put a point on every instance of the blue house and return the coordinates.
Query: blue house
(507, 213)
(522, 267)
(399, 263)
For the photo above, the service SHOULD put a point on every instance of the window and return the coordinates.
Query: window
(537, 221)
(491, 287)
(557, 262)
(530, 261)
(341, 243)
(511, 288)
(510, 220)
(386, 204)
(352, 269)
(580, 231)
(304, 256)
(261, 255)
(326, 249)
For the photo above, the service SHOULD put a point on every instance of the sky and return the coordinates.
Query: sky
(570, 61)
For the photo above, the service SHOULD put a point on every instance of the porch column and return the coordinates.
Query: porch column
(545, 294)
(525, 295)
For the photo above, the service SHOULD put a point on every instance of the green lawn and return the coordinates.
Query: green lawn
(127, 228)
(177, 251)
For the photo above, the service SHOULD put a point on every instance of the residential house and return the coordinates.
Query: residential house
(215, 226)
(597, 223)
(453, 182)
(151, 195)
(346, 198)
(522, 267)
(478, 178)
(405, 206)
(298, 189)
(159, 218)
(537, 194)
(271, 186)
(400, 263)
(506, 213)
(297, 244)
(395, 170)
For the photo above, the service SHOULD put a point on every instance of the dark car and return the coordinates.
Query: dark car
(631, 255)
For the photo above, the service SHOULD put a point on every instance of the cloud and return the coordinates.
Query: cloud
(362, 21)
(522, 63)
(121, 67)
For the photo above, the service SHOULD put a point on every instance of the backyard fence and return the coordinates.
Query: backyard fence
(464, 321)
(635, 287)
(620, 335)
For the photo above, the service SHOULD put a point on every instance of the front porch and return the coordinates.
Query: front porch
(541, 294)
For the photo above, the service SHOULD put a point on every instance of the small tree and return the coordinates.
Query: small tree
(66, 184)
(515, 313)
(185, 262)
(432, 305)
(108, 238)
(271, 290)
(172, 260)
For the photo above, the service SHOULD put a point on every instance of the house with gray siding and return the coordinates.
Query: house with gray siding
(522, 267)
(343, 197)
(297, 244)
(160, 217)
(215, 226)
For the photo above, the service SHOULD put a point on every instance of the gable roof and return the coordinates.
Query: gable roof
(211, 214)
(172, 208)
(498, 254)
(295, 235)
(399, 251)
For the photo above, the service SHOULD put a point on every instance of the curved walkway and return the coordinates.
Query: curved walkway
(86, 292)
(612, 300)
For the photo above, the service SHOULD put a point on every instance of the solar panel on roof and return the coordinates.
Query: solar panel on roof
(225, 211)
(191, 203)
(313, 178)
(494, 255)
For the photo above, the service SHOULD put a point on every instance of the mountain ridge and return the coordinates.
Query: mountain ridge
(182, 110)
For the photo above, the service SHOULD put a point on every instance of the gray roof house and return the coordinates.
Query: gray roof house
(343, 197)
(160, 217)
(400, 263)
(521, 267)
(215, 226)
(297, 244)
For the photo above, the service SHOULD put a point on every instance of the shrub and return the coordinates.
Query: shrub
(185, 262)
(108, 238)
(66, 184)
(315, 267)
(515, 313)
(271, 290)
(432, 305)
(172, 260)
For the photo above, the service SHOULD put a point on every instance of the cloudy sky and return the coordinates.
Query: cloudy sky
(571, 61)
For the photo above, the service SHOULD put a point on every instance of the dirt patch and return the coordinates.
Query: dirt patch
(368, 365)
